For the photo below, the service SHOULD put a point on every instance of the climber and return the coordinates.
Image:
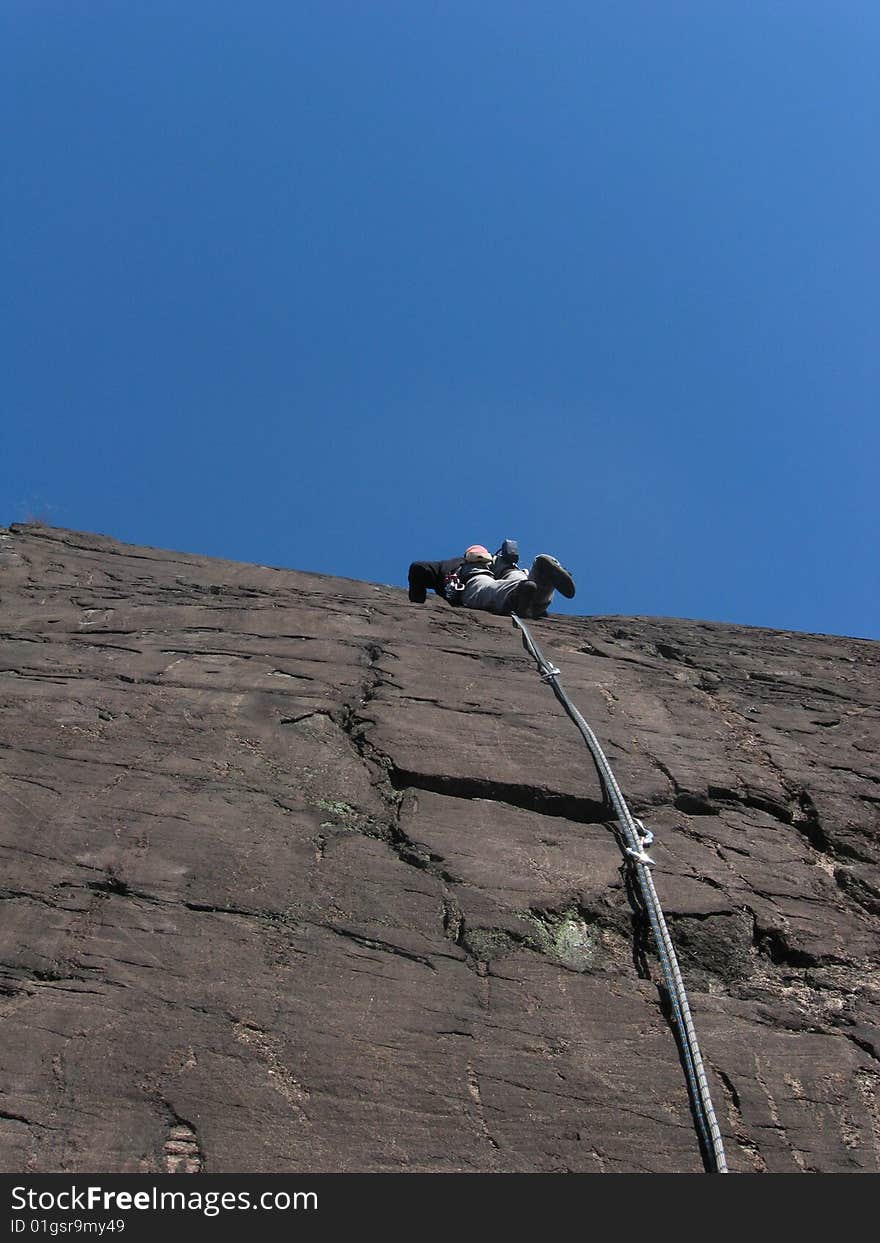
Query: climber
(496, 584)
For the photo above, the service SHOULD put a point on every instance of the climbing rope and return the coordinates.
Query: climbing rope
(636, 839)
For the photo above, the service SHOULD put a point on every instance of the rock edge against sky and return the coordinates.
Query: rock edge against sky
(298, 876)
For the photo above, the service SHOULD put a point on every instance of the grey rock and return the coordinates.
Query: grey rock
(297, 876)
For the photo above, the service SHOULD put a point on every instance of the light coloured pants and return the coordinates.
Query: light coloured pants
(484, 591)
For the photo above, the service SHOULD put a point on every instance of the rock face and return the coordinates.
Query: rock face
(298, 876)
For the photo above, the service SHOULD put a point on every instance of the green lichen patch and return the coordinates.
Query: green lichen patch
(343, 811)
(568, 937)
(488, 943)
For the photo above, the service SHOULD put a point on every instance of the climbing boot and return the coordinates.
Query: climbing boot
(506, 558)
(549, 573)
(523, 597)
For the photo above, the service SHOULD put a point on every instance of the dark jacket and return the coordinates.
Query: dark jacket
(431, 574)
(448, 577)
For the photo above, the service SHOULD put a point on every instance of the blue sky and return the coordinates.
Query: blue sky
(338, 285)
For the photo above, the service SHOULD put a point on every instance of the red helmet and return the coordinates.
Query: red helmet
(477, 554)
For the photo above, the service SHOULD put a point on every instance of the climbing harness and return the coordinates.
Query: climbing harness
(453, 587)
(637, 838)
